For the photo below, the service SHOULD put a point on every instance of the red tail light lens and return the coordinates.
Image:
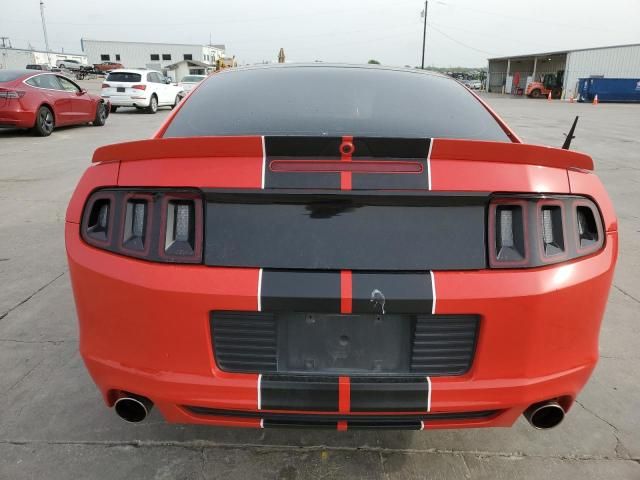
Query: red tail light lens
(140, 87)
(162, 226)
(532, 231)
(4, 93)
(106, 85)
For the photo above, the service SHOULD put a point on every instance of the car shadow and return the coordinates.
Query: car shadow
(137, 111)
(22, 133)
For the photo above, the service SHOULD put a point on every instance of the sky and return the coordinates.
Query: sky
(460, 32)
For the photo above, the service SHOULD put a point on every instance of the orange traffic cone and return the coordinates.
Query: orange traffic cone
(549, 96)
(595, 99)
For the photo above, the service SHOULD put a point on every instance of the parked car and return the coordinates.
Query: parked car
(44, 101)
(69, 64)
(339, 246)
(188, 82)
(38, 66)
(107, 66)
(146, 89)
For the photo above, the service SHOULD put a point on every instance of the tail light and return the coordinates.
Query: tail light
(140, 87)
(531, 230)
(162, 226)
(4, 93)
(106, 85)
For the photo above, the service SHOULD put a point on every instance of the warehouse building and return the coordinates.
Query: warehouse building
(156, 56)
(17, 58)
(621, 61)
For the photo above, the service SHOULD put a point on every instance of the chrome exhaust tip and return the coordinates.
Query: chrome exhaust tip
(133, 408)
(544, 415)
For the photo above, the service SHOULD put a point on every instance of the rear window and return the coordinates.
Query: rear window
(193, 78)
(124, 77)
(334, 101)
(10, 75)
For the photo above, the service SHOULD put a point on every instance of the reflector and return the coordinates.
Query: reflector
(103, 216)
(182, 223)
(138, 219)
(547, 226)
(506, 228)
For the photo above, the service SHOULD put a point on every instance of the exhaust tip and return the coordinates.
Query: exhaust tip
(545, 415)
(133, 408)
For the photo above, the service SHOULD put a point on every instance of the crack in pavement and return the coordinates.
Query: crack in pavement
(467, 473)
(22, 302)
(17, 382)
(202, 445)
(626, 293)
(52, 342)
(619, 445)
(382, 467)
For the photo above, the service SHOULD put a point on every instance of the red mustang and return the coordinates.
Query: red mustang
(343, 247)
(43, 101)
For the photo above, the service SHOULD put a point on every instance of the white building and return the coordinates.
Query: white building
(620, 61)
(156, 56)
(17, 58)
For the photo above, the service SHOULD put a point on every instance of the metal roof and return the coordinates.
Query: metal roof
(194, 63)
(563, 52)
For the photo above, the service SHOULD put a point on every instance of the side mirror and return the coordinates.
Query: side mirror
(82, 92)
(167, 80)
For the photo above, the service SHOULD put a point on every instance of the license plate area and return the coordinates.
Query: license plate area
(120, 89)
(351, 344)
(312, 344)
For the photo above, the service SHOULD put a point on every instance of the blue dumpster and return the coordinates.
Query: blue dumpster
(609, 89)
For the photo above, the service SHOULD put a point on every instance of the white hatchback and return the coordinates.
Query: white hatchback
(146, 89)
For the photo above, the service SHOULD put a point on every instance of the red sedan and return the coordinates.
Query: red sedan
(44, 101)
(340, 247)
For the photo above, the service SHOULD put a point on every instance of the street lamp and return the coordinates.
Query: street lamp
(424, 32)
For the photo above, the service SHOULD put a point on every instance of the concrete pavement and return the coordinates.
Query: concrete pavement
(53, 423)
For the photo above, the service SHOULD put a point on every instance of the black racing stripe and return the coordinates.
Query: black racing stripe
(300, 291)
(391, 148)
(410, 394)
(409, 149)
(305, 393)
(381, 292)
(301, 148)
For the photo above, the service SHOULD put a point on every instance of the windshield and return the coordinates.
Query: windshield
(124, 77)
(334, 101)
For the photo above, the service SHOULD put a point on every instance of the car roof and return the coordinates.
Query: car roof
(321, 65)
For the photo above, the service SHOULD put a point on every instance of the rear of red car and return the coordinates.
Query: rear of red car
(16, 108)
(360, 261)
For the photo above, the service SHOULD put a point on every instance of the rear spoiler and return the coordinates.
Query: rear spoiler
(441, 149)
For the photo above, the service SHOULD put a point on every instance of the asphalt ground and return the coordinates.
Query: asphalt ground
(54, 425)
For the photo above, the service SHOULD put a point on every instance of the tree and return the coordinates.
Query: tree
(374, 62)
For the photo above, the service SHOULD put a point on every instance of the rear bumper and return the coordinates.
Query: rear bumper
(16, 118)
(147, 332)
(127, 101)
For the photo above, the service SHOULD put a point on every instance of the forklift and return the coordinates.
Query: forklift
(551, 83)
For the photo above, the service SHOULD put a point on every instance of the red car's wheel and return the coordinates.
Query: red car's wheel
(45, 122)
(101, 115)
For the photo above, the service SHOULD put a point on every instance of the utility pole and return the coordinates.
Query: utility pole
(6, 43)
(44, 29)
(424, 33)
